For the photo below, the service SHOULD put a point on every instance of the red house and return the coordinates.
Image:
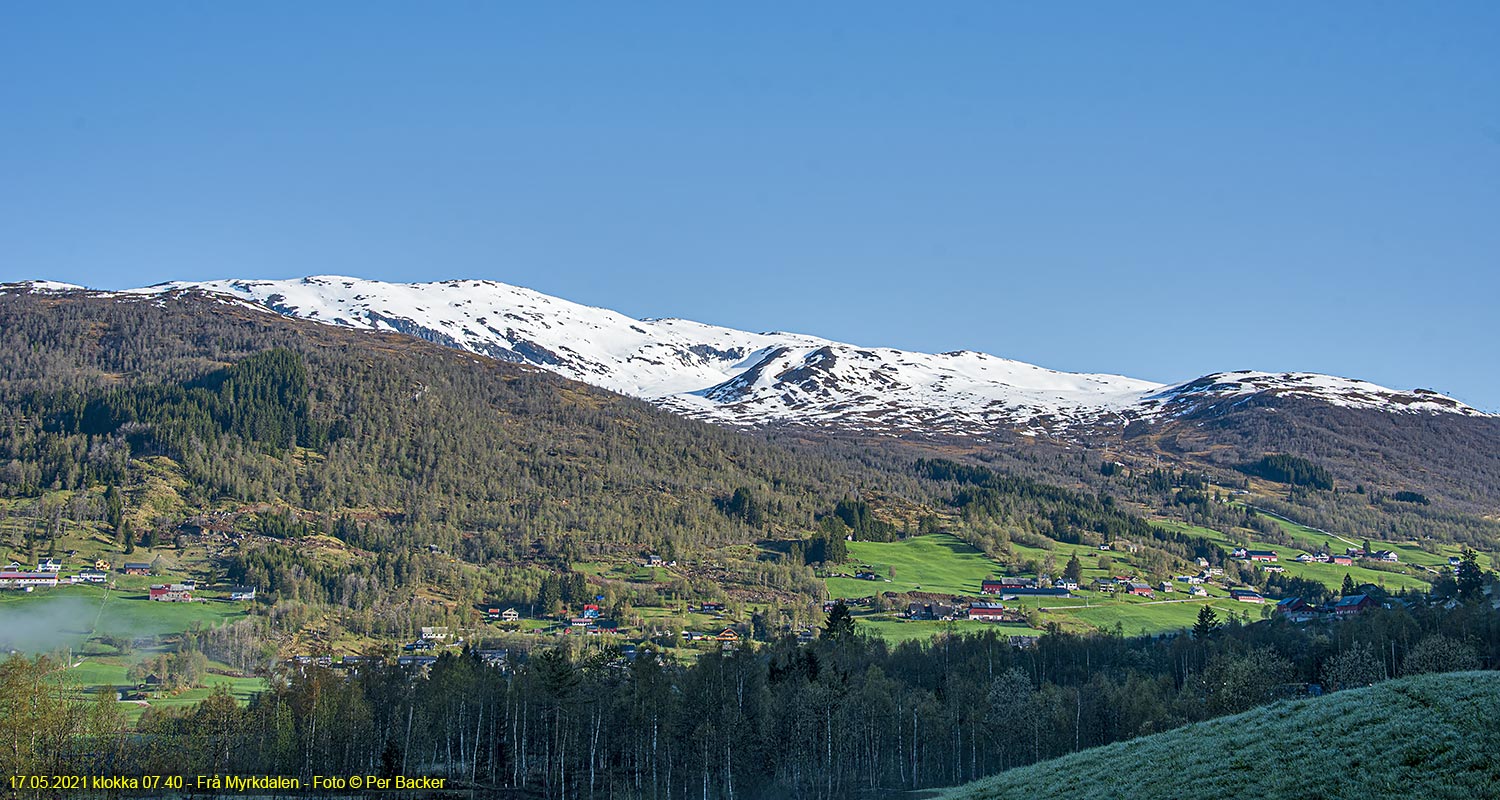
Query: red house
(1354, 604)
(1140, 589)
(990, 612)
(175, 593)
(1005, 584)
(1246, 596)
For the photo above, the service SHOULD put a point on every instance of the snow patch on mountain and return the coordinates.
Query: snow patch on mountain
(755, 379)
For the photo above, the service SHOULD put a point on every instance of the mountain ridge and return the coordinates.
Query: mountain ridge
(747, 379)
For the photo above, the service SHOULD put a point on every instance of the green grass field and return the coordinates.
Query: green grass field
(1330, 575)
(1431, 737)
(936, 562)
(1147, 617)
(66, 616)
(896, 630)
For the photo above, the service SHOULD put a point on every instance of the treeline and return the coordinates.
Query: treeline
(843, 717)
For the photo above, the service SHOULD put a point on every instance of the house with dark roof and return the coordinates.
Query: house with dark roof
(1246, 595)
(1006, 584)
(1354, 604)
(1295, 609)
(1035, 591)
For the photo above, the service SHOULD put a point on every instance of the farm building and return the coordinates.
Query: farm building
(989, 612)
(26, 581)
(1296, 609)
(1005, 585)
(1354, 604)
(1034, 591)
(1343, 560)
(242, 593)
(929, 611)
(136, 568)
(171, 593)
(1139, 589)
(1262, 555)
(1246, 596)
(92, 576)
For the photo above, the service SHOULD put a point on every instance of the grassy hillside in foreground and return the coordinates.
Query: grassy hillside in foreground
(1432, 736)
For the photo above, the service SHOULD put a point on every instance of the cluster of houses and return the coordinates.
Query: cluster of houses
(352, 663)
(983, 611)
(1349, 556)
(1297, 609)
(1128, 585)
(48, 573)
(1010, 586)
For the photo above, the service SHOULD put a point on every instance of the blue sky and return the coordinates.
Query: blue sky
(1157, 189)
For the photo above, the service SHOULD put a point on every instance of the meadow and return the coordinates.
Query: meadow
(944, 564)
(1402, 576)
(1431, 736)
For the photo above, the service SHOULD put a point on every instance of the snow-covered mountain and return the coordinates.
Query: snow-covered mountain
(755, 379)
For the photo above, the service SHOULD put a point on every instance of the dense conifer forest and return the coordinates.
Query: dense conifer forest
(843, 717)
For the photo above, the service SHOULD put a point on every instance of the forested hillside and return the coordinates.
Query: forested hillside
(1451, 458)
(421, 440)
(140, 418)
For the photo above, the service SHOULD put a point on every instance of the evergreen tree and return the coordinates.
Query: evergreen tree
(1348, 587)
(1074, 570)
(840, 624)
(1470, 578)
(1207, 625)
(114, 507)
